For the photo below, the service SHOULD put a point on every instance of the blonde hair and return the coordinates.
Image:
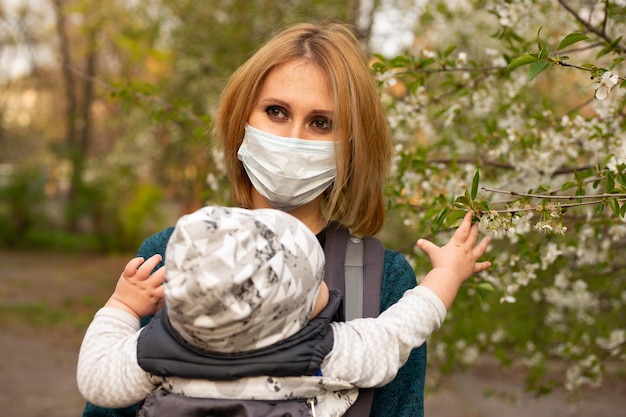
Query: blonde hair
(356, 198)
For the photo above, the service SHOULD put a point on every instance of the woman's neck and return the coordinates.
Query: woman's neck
(310, 214)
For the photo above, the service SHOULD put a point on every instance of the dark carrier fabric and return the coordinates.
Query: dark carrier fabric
(161, 351)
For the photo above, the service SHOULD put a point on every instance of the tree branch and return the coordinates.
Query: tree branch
(153, 99)
(601, 33)
(557, 197)
(504, 165)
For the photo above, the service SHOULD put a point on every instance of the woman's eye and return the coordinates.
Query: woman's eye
(275, 113)
(322, 124)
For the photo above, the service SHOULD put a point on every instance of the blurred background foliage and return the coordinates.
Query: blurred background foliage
(104, 134)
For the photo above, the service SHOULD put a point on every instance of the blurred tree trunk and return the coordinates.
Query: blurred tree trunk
(79, 95)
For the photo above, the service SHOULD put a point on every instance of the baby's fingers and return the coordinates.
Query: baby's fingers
(131, 267)
(478, 251)
(159, 292)
(157, 278)
(148, 266)
(465, 228)
(481, 266)
(481, 248)
(427, 246)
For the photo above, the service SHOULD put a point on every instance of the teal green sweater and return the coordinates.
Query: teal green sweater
(403, 397)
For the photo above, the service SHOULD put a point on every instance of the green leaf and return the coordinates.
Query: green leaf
(475, 183)
(614, 204)
(449, 50)
(537, 68)
(609, 48)
(463, 202)
(379, 67)
(439, 220)
(599, 209)
(381, 58)
(425, 62)
(571, 39)
(539, 43)
(610, 182)
(486, 286)
(455, 218)
(400, 62)
(615, 62)
(521, 61)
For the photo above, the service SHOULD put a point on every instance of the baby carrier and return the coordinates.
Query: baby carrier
(354, 267)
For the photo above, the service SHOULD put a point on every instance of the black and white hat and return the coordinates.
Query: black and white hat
(238, 279)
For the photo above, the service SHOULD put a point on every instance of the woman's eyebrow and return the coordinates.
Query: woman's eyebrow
(271, 100)
(277, 101)
(326, 113)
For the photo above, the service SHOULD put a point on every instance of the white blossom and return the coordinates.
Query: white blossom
(587, 372)
(604, 86)
(388, 78)
(614, 343)
(550, 255)
(470, 355)
(498, 335)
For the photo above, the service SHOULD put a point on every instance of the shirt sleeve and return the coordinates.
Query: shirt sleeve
(369, 352)
(108, 374)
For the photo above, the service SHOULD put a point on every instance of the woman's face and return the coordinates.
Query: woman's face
(295, 101)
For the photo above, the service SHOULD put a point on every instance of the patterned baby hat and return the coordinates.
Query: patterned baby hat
(238, 279)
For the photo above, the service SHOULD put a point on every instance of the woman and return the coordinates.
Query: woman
(303, 130)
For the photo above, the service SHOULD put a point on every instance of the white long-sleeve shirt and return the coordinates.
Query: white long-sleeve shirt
(366, 353)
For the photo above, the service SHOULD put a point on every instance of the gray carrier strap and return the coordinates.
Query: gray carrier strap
(345, 268)
(355, 267)
(353, 304)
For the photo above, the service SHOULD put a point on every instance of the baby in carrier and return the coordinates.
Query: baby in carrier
(247, 326)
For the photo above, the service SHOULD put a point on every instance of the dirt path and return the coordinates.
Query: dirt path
(47, 300)
(39, 378)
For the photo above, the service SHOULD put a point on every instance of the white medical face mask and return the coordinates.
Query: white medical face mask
(288, 172)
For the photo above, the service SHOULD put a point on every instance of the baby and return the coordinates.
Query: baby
(247, 317)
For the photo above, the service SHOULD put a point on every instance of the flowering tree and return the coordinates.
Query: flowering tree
(516, 111)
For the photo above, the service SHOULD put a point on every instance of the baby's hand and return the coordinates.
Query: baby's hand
(454, 262)
(138, 292)
(459, 254)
